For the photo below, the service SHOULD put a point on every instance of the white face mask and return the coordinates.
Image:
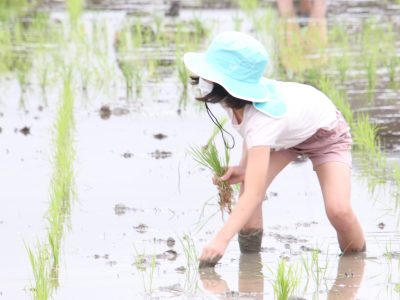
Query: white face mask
(204, 88)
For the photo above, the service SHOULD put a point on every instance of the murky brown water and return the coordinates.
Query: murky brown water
(138, 190)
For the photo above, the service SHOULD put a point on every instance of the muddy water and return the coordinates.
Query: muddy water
(138, 195)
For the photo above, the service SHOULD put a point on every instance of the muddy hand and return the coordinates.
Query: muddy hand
(209, 262)
(212, 253)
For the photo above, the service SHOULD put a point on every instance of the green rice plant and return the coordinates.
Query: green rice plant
(146, 268)
(339, 37)
(313, 267)
(75, 9)
(326, 85)
(286, 280)
(374, 165)
(38, 259)
(248, 6)
(192, 263)
(208, 157)
(396, 183)
(371, 66)
(62, 179)
(183, 75)
(12, 9)
(393, 65)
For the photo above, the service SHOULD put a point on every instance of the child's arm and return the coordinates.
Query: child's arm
(256, 181)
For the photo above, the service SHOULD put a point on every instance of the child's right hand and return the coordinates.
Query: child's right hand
(233, 175)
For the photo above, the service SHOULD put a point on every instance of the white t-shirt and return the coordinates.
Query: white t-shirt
(308, 110)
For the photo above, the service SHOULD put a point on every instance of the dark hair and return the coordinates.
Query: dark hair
(219, 94)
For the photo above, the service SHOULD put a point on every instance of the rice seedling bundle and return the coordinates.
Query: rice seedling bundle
(208, 157)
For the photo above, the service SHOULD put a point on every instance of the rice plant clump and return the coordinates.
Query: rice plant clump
(208, 157)
(286, 281)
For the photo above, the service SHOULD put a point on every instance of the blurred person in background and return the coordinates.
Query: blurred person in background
(303, 33)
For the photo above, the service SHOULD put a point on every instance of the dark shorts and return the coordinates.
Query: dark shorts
(325, 145)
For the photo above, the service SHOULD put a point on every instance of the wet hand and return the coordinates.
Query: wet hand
(212, 253)
(233, 175)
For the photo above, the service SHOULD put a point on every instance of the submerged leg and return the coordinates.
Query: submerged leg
(250, 236)
(335, 179)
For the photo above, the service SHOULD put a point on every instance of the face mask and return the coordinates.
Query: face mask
(204, 88)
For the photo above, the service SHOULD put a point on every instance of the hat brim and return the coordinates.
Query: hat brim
(254, 92)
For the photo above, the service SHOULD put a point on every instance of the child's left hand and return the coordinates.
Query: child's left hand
(212, 253)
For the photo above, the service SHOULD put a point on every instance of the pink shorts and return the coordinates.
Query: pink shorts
(325, 145)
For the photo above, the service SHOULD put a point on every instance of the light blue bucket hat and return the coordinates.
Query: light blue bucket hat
(237, 62)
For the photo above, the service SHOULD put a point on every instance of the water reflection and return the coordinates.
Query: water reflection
(251, 279)
(350, 272)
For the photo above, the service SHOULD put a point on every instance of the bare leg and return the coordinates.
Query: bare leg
(250, 236)
(335, 179)
(286, 8)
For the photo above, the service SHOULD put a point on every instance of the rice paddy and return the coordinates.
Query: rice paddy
(96, 116)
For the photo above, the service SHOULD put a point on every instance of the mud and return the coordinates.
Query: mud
(160, 136)
(25, 130)
(250, 240)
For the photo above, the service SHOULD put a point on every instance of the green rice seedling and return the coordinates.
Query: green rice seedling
(146, 269)
(12, 9)
(396, 184)
(192, 263)
(183, 75)
(38, 259)
(313, 268)
(208, 157)
(62, 180)
(75, 9)
(374, 164)
(286, 280)
(393, 65)
(339, 37)
(338, 97)
(371, 66)
(248, 6)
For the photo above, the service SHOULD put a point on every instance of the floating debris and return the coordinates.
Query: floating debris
(170, 242)
(381, 225)
(141, 228)
(181, 269)
(127, 155)
(287, 238)
(119, 111)
(160, 136)
(98, 256)
(120, 209)
(25, 130)
(169, 254)
(161, 154)
(105, 112)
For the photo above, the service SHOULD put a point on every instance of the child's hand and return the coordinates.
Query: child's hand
(233, 175)
(212, 253)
